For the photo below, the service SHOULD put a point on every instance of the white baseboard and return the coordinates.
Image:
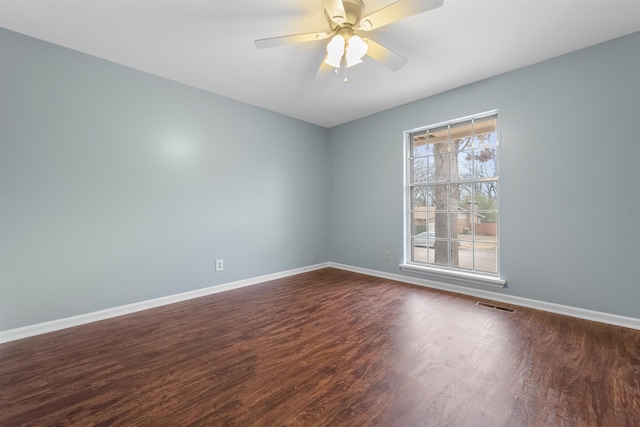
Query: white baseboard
(55, 325)
(597, 316)
(68, 322)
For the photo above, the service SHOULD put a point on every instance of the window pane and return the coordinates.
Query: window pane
(441, 253)
(441, 147)
(438, 135)
(466, 164)
(461, 131)
(485, 196)
(437, 197)
(487, 140)
(484, 163)
(487, 230)
(419, 254)
(457, 222)
(418, 196)
(465, 196)
(466, 238)
(485, 257)
(420, 169)
(439, 167)
(454, 166)
(460, 196)
(465, 255)
(420, 146)
(454, 198)
(441, 225)
(485, 134)
(418, 221)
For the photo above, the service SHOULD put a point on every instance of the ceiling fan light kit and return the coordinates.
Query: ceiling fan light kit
(352, 48)
(356, 49)
(345, 18)
(335, 51)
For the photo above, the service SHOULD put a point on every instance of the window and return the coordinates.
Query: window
(452, 186)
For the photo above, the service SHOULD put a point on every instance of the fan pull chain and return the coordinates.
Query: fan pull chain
(345, 70)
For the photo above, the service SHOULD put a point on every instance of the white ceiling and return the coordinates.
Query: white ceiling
(208, 44)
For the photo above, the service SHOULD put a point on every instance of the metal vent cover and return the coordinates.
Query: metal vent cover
(495, 307)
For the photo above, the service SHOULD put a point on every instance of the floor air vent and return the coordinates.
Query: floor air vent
(495, 307)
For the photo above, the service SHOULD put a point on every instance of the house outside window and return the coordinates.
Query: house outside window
(451, 199)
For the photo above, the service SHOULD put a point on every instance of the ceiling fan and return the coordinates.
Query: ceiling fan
(346, 48)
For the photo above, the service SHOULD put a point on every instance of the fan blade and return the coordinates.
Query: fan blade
(397, 11)
(386, 56)
(324, 70)
(335, 11)
(285, 40)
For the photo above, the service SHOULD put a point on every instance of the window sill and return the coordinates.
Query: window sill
(475, 278)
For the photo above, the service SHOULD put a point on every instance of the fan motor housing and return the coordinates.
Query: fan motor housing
(353, 10)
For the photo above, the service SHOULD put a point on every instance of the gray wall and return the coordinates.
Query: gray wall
(570, 177)
(117, 186)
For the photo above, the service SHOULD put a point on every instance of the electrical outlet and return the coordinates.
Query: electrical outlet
(219, 264)
(387, 256)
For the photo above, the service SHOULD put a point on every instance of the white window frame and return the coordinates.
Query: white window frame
(437, 271)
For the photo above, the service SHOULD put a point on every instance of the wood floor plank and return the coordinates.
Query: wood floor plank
(326, 348)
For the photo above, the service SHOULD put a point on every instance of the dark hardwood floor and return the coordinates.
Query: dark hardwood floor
(326, 348)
